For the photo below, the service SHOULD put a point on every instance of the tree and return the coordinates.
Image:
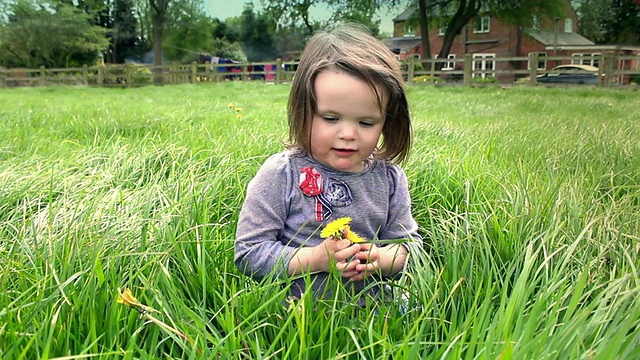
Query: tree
(287, 13)
(293, 24)
(159, 10)
(424, 28)
(363, 12)
(297, 13)
(256, 36)
(609, 21)
(49, 34)
(188, 31)
(124, 32)
(625, 27)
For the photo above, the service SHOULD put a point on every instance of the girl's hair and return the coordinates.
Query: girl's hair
(354, 50)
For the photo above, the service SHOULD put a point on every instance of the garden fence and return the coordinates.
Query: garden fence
(613, 70)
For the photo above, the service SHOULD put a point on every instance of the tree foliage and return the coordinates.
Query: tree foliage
(50, 34)
(189, 32)
(609, 21)
(256, 36)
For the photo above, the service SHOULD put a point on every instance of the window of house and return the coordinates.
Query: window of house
(449, 65)
(481, 24)
(586, 59)
(442, 28)
(542, 61)
(415, 56)
(409, 31)
(568, 25)
(483, 65)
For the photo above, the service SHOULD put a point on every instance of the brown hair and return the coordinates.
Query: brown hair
(354, 50)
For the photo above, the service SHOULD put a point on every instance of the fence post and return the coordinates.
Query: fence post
(85, 75)
(411, 69)
(533, 69)
(468, 61)
(608, 69)
(279, 71)
(194, 72)
(100, 75)
(215, 72)
(43, 76)
(432, 70)
(128, 71)
(602, 60)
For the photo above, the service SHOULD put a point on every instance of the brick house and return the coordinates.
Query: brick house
(486, 38)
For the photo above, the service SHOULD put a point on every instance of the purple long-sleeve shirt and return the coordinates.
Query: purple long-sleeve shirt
(277, 217)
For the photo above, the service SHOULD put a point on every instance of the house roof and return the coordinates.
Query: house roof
(548, 38)
(402, 44)
(405, 15)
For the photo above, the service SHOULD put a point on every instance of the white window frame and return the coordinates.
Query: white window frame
(409, 31)
(568, 25)
(482, 25)
(542, 59)
(484, 62)
(586, 59)
(415, 56)
(449, 65)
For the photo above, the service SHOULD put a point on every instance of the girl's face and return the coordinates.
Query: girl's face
(347, 126)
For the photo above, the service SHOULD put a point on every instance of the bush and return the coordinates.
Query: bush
(427, 78)
(140, 74)
(485, 80)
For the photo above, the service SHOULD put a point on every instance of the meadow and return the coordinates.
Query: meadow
(528, 200)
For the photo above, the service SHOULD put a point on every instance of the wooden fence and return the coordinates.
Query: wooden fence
(468, 71)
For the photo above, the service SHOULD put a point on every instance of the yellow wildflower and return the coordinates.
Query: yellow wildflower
(351, 236)
(230, 105)
(340, 229)
(238, 109)
(335, 228)
(128, 299)
(238, 116)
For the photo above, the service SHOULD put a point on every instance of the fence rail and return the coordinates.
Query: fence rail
(468, 71)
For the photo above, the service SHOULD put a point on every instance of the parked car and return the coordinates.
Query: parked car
(571, 74)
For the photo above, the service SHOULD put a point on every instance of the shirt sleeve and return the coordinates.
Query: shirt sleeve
(258, 249)
(400, 222)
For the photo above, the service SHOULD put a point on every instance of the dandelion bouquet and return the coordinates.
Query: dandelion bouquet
(340, 229)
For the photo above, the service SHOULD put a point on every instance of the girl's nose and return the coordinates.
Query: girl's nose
(347, 132)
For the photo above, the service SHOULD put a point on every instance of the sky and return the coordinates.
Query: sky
(223, 9)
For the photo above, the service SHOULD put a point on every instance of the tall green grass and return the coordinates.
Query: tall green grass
(528, 201)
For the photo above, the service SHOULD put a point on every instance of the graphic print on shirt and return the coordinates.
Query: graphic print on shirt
(333, 193)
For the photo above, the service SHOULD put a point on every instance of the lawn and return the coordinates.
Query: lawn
(528, 200)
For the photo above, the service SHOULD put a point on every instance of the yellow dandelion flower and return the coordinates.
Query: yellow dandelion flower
(335, 228)
(126, 297)
(238, 109)
(230, 105)
(238, 116)
(351, 236)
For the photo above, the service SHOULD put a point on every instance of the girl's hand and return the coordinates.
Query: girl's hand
(367, 262)
(343, 253)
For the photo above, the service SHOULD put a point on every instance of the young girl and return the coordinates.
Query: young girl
(348, 122)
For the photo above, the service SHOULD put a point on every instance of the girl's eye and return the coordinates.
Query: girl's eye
(330, 118)
(367, 123)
